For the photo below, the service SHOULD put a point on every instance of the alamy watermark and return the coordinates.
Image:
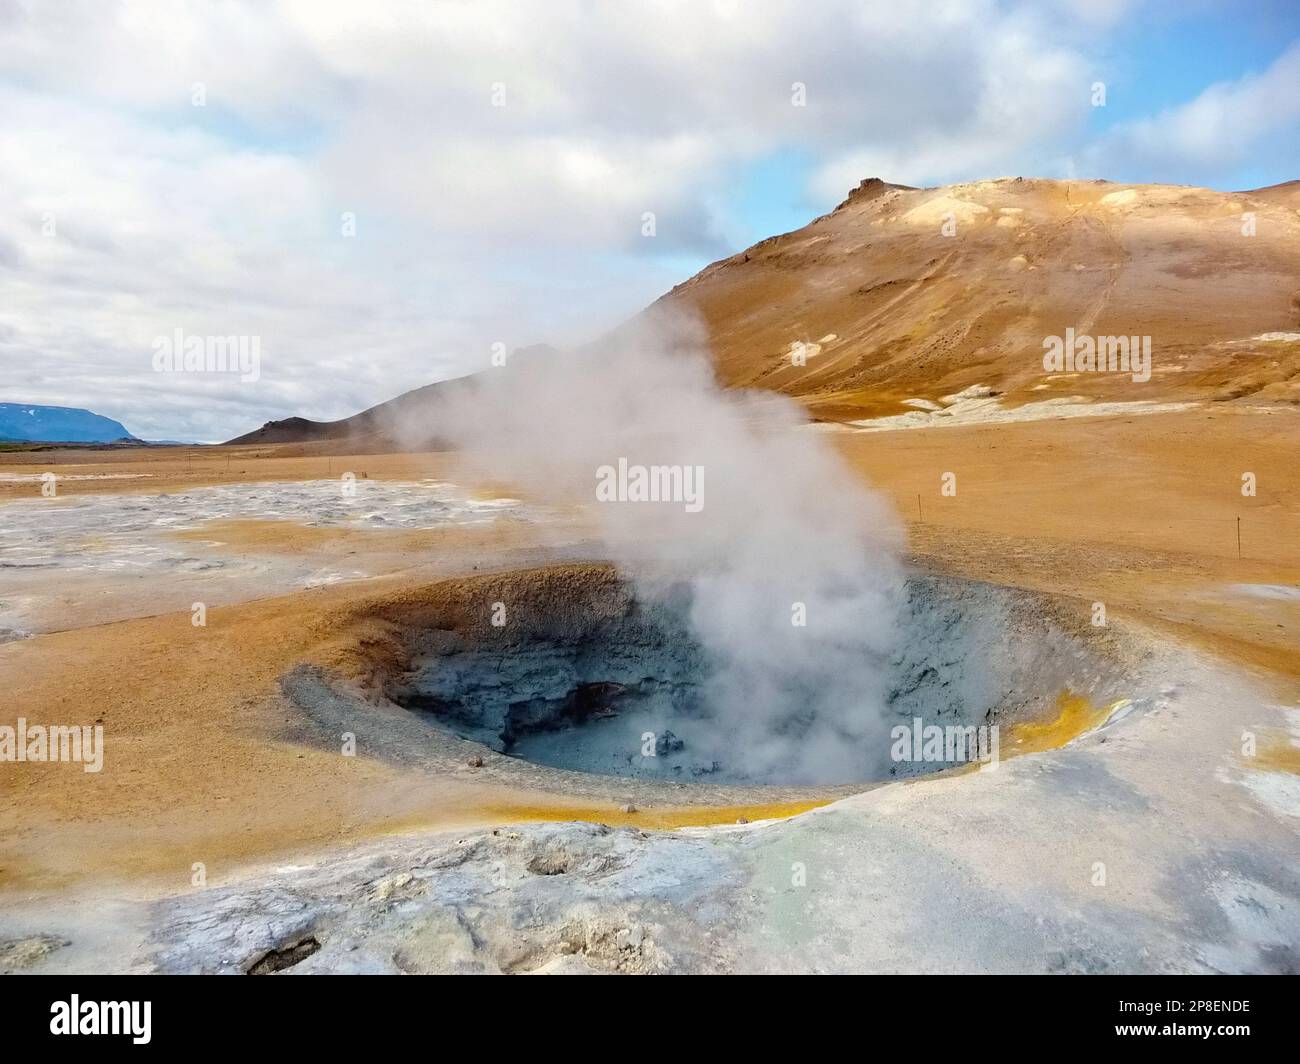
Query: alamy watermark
(55, 742)
(75, 1016)
(179, 353)
(947, 744)
(1099, 354)
(656, 483)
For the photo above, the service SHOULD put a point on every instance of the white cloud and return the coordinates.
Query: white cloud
(1227, 124)
(475, 223)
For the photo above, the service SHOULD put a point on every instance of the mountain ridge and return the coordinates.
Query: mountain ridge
(900, 297)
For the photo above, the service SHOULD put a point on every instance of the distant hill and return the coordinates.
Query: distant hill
(375, 428)
(31, 423)
(901, 296)
(369, 429)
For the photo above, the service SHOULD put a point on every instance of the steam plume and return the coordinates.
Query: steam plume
(784, 528)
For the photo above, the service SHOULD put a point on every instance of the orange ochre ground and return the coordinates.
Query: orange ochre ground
(1140, 513)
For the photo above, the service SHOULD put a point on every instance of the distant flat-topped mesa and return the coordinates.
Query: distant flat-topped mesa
(32, 423)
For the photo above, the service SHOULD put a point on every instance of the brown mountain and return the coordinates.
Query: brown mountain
(900, 297)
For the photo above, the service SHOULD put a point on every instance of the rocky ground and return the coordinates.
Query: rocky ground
(1157, 843)
(1150, 845)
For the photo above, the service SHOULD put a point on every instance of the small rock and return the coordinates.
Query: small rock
(667, 744)
(630, 938)
(475, 761)
(627, 808)
(25, 952)
(741, 820)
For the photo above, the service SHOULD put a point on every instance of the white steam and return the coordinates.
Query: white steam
(785, 529)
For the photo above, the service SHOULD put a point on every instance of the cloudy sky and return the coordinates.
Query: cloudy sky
(188, 166)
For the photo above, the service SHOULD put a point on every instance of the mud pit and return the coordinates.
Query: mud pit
(584, 676)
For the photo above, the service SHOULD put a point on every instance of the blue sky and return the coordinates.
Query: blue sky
(1164, 56)
(1167, 56)
(130, 212)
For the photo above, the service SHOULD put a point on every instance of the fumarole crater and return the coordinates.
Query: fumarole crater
(569, 667)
